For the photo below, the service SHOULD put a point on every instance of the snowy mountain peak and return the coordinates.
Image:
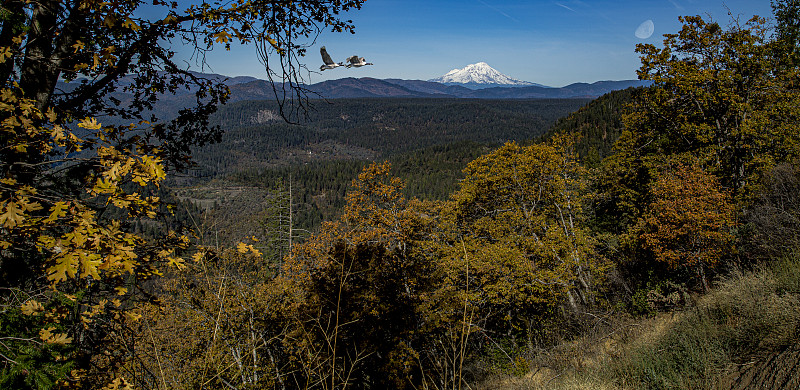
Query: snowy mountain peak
(480, 75)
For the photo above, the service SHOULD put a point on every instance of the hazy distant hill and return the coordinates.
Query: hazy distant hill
(249, 88)
(369, 87)
(363, 87)
(438, 89)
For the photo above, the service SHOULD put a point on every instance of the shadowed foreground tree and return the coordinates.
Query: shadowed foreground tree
(787, 29)
(772, 226)
(207, 330)
(354, 296)
(68, 271)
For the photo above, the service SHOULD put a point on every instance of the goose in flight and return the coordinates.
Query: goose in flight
(329, 64)
(357, 61)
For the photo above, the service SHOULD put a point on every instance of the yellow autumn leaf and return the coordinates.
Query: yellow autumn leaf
(5, 54)
(48, 336)
(177, 262)
(32, 307)
(154, 167)
(64, 268)
(59, 210)
(89, 266)
(198, 256)
(222, 36)
(90, 124)
(118, 384)
(27, 205)
(255, 251)
(244, 248)
(12, 215)
(75, 141)
(78, 46)
(128, 23)
(8, 96)
(121, 203)
(51, 114)
(170, 19)
(133, 317)
(11, 122)
(57, 133)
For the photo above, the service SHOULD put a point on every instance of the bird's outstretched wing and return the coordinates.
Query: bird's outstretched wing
(325, 57)
(352, 59)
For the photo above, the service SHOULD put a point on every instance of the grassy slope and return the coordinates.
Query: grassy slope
(745, 333)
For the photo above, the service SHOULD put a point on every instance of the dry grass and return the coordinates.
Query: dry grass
(745, 319)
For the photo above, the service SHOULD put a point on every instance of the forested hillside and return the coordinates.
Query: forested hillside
(429, 142)
(368, 129)
(597, 126)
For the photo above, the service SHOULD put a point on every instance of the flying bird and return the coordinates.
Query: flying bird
(329, 64)
(357, 61)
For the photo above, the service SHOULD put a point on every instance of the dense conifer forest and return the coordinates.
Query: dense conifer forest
(428, 141)
(368, 129)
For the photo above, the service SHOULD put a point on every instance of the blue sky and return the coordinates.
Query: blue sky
(549, 42)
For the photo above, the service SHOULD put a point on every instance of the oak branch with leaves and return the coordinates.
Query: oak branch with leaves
(72, 184)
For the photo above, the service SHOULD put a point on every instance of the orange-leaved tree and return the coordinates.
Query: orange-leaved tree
(690, 221)
(719, 95)
(723, 99)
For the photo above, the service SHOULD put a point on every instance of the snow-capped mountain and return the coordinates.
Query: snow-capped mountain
(480, 75)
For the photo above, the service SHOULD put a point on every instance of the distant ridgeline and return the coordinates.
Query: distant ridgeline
(370, 87)
(248, 88)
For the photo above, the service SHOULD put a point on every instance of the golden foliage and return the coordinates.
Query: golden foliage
(60, 238)
(690, 221)
(515, 228)
(356, 297)
(209, 328)
(49, 336)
